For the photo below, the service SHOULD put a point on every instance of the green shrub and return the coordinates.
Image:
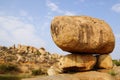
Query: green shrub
(117, 63)
(37, 72)
(6, 68)
(113, 73)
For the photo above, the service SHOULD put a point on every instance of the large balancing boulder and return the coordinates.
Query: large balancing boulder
(82, 34)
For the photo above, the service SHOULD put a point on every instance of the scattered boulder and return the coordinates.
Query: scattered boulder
(42, 51)
(82, 34)
(77, 62)
(105, 61)
(55, 69)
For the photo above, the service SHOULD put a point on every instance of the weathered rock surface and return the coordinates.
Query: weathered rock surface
(105, 61)
(77, 62)
(92, 75)
(82, 34)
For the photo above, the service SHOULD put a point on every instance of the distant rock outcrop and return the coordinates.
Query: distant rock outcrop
(27, 57)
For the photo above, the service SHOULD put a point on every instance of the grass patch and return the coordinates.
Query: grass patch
(37, 72)
(117, 63)
(8, 68)
(113, 73)
(9, 77)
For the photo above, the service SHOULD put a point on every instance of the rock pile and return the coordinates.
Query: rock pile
(89, 40)
(27, 58)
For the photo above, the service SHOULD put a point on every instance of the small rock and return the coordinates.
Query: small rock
(105, 61)
(55, 69)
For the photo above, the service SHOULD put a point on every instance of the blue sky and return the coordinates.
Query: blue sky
(28, 21)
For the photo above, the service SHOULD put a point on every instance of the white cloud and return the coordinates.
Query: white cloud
(23, 13)
(13, 30)
(69, 13)
(1, 13)
(116, 7)
(54, 7)
(30, 18)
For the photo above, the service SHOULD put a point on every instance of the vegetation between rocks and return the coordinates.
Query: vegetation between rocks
(113, 73)
(116, 62)
(37, 72)
(8, 68)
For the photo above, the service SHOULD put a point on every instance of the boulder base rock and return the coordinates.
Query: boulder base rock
(77, 62)
(92, 75)
(105, 61)
(82, 34)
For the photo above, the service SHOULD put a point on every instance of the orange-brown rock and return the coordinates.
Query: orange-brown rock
(116, 71)
(82, 34)
(77, 62)
(91, 75)
(105, 61)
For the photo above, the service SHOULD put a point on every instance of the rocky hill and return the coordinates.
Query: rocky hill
(27, 58)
